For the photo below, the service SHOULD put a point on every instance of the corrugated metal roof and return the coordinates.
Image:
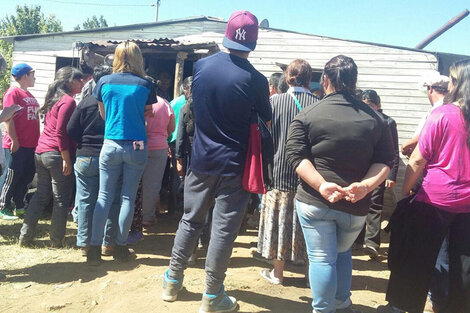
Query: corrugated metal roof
(165, 43)
(116, 28)
(211, 19)
(161, 42)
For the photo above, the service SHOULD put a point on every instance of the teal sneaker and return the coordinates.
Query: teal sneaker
(8, 215)
(218, 303)
(171, 287)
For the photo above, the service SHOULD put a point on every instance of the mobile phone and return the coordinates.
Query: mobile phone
(19, 109)
(138, 145)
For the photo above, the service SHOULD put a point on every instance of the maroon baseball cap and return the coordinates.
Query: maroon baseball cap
(241, 32)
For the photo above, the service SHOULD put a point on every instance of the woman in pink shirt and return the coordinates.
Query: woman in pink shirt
(441, 207)
(54, 158)
(158, 127)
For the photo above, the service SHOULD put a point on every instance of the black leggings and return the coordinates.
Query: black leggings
(418, 230)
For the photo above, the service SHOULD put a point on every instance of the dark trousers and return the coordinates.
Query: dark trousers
(175, 184)
(370, 235)
(19, 172)
(417, 233)
(439, 290)
(51, 184)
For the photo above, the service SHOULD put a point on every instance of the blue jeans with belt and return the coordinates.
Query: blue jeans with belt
(117, 158)
(87, 174)
(329, 235)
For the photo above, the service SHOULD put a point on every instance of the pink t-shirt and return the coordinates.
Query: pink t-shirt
(26, 121)
(442, 143)
(54, 137)
(157, 126)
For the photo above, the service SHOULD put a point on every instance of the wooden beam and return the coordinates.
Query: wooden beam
(179, 70)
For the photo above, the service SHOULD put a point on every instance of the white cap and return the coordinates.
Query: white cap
(433, 79)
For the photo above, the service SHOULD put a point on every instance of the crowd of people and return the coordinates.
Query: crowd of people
(335, 154)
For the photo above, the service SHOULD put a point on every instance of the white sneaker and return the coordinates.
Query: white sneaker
(269, 276)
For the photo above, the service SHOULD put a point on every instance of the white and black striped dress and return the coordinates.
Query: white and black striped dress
(280, 235)
(284, 111)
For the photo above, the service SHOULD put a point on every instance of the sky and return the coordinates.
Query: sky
(400, 22)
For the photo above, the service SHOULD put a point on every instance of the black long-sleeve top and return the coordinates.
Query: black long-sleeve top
(392, 126)
(86, 127)
(342, 137)
(185, 132)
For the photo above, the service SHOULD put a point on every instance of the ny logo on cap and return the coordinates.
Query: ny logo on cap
(240, 34)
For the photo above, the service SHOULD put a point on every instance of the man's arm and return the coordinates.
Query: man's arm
(263, 105)
(408, 147)
(413, 171)
(392, 177)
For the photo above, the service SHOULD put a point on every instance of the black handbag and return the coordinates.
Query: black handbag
(267, 151)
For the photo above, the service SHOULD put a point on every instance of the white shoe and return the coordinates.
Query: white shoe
(269, 276)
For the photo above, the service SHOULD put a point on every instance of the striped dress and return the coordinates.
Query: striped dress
(280, 235)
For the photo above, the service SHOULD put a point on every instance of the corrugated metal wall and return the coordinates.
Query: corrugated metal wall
(394, 73)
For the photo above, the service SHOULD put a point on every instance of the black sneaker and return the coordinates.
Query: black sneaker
(25, 243)
(123, 254)
(371, 252)
(93, 255)
(349, 309)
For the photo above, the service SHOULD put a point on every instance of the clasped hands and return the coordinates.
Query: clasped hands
(333, 192)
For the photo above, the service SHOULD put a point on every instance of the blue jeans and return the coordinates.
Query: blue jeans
(329, 235)
(117, 158)
(87, 174)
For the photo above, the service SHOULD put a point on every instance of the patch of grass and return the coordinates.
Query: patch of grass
(12, 256)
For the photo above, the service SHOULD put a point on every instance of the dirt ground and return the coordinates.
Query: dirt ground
(45, 280)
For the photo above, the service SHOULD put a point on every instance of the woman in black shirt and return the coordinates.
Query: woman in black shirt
(340, 150)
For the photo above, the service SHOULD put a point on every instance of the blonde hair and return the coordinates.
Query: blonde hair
(128, 58)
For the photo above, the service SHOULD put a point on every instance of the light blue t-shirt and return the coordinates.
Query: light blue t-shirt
(124, 96)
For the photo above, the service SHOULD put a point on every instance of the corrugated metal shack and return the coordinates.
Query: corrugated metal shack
(394, 72)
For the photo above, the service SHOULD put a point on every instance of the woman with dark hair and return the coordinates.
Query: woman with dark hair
(54, 158)
(280, 236)
(123, 97)
(440, 208)
(340, 149)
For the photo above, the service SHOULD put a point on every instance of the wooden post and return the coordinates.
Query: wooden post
(179, 70)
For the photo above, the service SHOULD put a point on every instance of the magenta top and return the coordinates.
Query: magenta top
(442, 143)
(157, 126)
(26, 121)
(54, 137)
